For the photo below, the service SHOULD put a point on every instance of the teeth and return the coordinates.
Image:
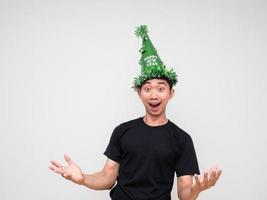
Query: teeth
(154, 104)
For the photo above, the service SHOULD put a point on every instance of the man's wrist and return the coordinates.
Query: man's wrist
(195, 191)
(82, 181)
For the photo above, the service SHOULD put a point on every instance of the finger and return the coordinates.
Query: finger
(205, 177)
(205, 180)
(211, 170)
(52, 166)
(218, 173)
(212, 178)
(55, 169)
(57, 164)
(215, 167)
(67, 158)
(212, 175)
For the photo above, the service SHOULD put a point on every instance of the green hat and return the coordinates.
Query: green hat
(151, 64)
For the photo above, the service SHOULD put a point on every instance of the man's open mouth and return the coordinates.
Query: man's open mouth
(154, 105)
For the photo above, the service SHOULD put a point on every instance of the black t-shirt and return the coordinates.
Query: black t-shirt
(148, 157)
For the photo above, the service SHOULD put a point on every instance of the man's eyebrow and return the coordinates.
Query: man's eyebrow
(160, 82)
(146, 82)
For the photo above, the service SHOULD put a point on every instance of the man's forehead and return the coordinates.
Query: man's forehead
(164, 82)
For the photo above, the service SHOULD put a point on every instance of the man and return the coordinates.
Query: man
(145, 153)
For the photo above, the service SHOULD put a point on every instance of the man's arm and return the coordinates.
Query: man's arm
(188, 189)
(102, 180)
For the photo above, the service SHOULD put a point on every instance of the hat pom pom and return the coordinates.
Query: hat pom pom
(141, 31)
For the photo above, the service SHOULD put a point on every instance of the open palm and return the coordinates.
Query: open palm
(71, 172)
(208, 179)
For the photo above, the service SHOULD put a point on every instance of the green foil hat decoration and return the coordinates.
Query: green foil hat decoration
(151, 64)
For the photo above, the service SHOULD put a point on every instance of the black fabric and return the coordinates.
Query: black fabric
(149, 156)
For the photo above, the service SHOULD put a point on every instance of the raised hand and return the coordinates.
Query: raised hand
(70, 172)
(207, 180)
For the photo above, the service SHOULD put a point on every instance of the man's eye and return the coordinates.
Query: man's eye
(161, 89)
(147, 89)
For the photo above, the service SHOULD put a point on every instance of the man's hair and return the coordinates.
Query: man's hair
(164, 78)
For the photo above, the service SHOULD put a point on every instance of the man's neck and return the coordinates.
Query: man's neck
(155, 120)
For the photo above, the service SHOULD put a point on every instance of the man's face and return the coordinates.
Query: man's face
(155, 94)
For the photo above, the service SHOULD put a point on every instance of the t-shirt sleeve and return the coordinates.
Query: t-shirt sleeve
(187, 163)
(113, 150)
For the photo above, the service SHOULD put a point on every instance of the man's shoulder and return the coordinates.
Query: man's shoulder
(126, 125)
(176, 127)
(130, 122)
(178, 130)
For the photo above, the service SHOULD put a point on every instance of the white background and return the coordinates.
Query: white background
(66, 71)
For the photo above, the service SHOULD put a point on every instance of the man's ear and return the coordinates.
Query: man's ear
(139, 92)
(172, 93)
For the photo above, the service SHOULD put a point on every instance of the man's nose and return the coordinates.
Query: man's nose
(153, 94)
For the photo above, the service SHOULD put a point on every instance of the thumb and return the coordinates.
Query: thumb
(67, 158)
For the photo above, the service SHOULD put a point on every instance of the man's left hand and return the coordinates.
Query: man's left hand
(206, 180)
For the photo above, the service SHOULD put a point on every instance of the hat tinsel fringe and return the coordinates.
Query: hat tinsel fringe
(141, 31)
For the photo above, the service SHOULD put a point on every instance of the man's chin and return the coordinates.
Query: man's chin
(154, 113)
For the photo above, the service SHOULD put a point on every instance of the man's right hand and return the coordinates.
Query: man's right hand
(71, 172)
